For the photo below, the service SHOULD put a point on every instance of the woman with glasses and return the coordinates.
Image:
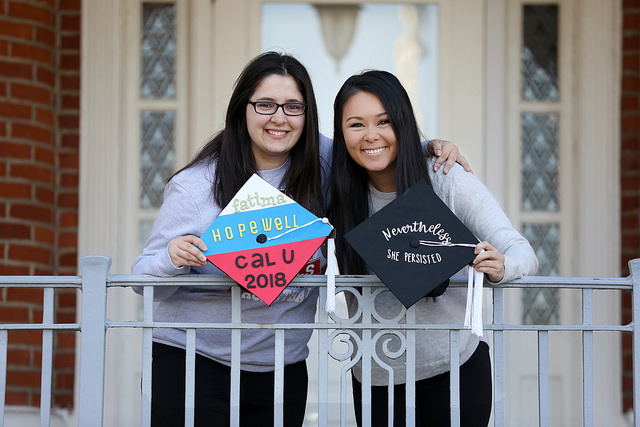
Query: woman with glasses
(271, 129)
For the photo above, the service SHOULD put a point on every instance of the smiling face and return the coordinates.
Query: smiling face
(370, 139)
(273, 136)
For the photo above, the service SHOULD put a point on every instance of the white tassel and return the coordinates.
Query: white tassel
(473, 312)
(332, 262)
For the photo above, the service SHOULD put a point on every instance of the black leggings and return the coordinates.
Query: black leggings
(432, 397)
(212, 391)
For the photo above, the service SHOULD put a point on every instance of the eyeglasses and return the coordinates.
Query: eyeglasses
(289, 108)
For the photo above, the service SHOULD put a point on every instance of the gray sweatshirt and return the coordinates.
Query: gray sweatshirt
(476, 207)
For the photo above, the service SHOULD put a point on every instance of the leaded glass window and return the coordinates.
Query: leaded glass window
(540, 53)
(540, 152)
(539, 162)
(156, 156)
(158, 51)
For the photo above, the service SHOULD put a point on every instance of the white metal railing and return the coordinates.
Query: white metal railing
(96, 280)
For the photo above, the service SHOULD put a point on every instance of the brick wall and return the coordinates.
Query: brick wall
(630, 169)
(39, 138)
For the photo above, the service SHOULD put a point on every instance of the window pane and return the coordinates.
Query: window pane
(158, 51)
(540, 306)
(539, 162)
(540, 53)
(156, 156)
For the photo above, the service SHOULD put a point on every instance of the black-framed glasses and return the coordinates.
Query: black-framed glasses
(289, 108)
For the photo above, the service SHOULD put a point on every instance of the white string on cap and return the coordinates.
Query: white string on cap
(332, 263)
(475, 279)
(324, 220)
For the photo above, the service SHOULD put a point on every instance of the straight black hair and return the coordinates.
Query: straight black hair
(349, 181)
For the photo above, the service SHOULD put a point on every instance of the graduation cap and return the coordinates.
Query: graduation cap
(414, 244)
(262, 239)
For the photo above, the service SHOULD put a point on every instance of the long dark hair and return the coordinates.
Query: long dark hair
(231, 147)
(349, 181)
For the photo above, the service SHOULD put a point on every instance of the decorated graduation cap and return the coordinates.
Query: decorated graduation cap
(263, 238)
(415, 244)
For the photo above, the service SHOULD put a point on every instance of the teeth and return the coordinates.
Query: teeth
(376, 151)
(276, 133)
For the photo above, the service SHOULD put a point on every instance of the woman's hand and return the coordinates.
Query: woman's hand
(446, 151)
(183, 250)
(489, 261)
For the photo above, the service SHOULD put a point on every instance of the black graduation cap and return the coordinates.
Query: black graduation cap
(414, 244)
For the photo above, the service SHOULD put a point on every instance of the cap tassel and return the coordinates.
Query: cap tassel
(332, 263)
(473, 313)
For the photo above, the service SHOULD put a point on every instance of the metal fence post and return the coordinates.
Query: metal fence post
(95, 270)
(634, 268)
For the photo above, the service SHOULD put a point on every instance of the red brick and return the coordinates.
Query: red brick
(631, 21)
(11, 28)
(68, 219)
(68, 200)
(30, 253)
(63, 400)
(70, 4)
(14, 110)
(70, 42)
(630, 42)
(32, 52)
(66, 360)
(32, 172)
(18, 357)
(69, 160)
(46, 76)
(69, 180)
(629, 103)
(68, 264)
(12, 230)
(630, 124)
(67, 240)
(64, 381)
(66, 298)
(13, 270)
(71, 102)
(10, 69)
(70, 21)
(18, 398)
(45, 116)
(44, 155)
(15, 190)
(11, 314)
(29, 92)
(70, 140)
(69, 61)
(19, 9)
(65, 341)
(630, 83)
(44, 235)
(3, 128)
(629, 203)
(23, 378)
(15, 150)
(70, 81)
(4, 48)
(29, 212)
(45, 195)
(25, 295)
(32, 132)
(45, 36)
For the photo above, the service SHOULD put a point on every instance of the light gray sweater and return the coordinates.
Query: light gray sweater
(476, 207)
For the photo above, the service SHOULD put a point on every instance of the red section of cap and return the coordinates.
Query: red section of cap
(266, 271)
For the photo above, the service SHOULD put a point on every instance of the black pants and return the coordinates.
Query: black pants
(212, 392)
(432, 397)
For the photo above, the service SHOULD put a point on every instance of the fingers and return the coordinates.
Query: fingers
(187, 250)
(489, 261)
(448, 155)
